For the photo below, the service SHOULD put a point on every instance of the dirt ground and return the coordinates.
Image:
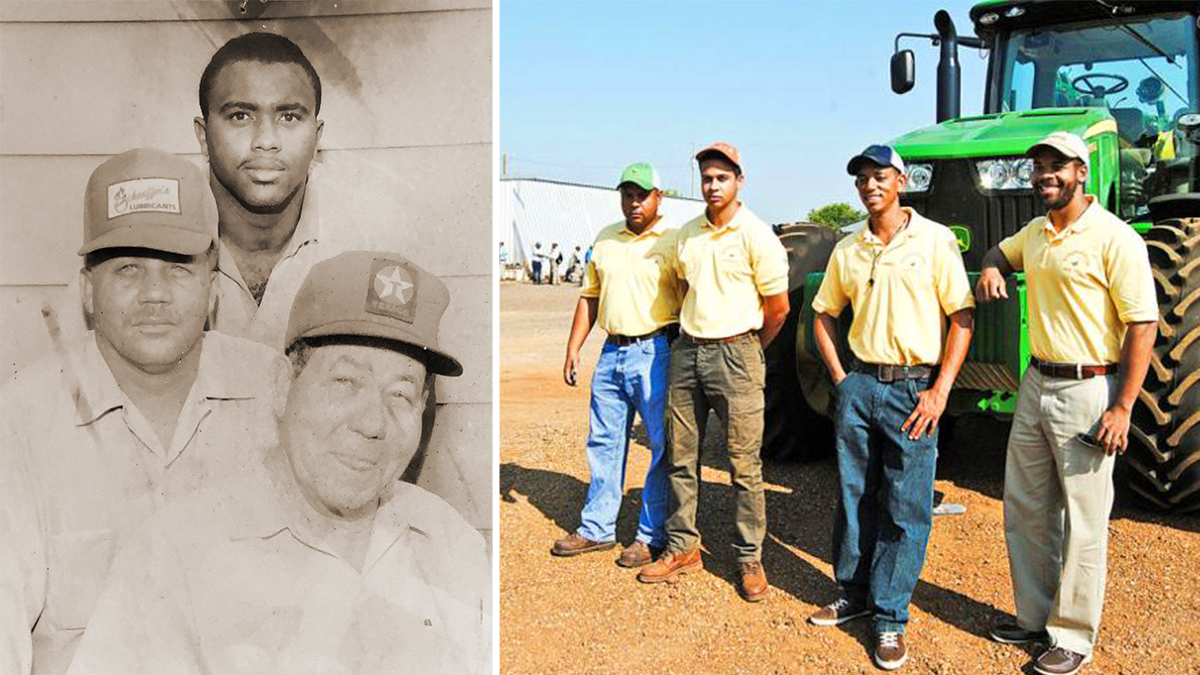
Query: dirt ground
(587, 615)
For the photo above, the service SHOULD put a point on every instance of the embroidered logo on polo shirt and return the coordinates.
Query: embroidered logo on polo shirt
(392, 290)
(143, 194)
(913, 262)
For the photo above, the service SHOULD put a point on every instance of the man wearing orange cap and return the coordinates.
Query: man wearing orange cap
(318, 558)
(100, 434)
(736, 301)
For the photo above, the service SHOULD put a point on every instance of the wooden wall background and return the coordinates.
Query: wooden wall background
(406, 152)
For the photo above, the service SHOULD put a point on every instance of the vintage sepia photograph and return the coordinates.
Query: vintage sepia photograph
(246, 291)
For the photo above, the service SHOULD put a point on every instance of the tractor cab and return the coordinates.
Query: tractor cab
(1136, 62)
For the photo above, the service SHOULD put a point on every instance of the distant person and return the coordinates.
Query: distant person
(503, 255)
(737, 299)
(1092, 319)
(556, 258)
(317, 558)
(902, 275)
(574, 266)
(539, 259)
(633, 293)
(100, 434)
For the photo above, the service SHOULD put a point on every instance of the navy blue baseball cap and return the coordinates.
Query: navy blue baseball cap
(882, 155)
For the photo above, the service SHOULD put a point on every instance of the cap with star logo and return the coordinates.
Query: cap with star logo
(374, 294)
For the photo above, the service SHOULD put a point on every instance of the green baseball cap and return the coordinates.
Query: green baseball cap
(641, 174)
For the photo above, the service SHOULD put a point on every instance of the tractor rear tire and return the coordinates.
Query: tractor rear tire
(792, 429)
(1164, 438)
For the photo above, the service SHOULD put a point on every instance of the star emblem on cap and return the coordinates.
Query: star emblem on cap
(391, 285)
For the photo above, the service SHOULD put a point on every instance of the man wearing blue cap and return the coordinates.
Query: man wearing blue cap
(632, 292)
(902, 275)
(101, 433)
(318, 558)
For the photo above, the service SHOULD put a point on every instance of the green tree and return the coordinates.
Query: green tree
(835, 215)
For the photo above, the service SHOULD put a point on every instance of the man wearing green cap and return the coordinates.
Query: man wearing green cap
(318, 558)
(631, 291)
(99, 435)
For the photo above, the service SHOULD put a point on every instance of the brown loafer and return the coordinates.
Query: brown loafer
(1059, 661)
(670, 565)
(753, 585)
(638, 554)
(575, 543)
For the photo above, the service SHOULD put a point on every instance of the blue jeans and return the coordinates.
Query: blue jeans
(886, 506)
(628, 379)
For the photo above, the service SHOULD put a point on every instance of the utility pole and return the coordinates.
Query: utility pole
(504, 164)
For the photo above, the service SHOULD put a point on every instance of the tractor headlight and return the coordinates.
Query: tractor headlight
(920, 176)
(1005, 174)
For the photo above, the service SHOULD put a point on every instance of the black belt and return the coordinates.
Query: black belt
(888, 373)
(1072, 371)
(626, 340)
(719, 341)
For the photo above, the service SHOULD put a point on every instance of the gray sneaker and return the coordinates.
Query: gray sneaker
(890, 652)
(839, 612)
(1059, 661)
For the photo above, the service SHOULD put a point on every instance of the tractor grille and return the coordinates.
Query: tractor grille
(955, 198)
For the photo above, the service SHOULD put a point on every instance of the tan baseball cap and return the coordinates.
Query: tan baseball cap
(724, 150)
(374, 294)
(148, 198)
(1067, 144)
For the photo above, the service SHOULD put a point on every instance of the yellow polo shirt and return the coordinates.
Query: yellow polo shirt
(900, 319)
(1085, 283)
(633, 276)
(728, 271)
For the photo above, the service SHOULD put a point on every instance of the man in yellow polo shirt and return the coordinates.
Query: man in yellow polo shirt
(1092, 320)
(737, 299)
(632, 292)
(902, 274)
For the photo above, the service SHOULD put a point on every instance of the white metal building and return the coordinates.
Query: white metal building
(539, 210)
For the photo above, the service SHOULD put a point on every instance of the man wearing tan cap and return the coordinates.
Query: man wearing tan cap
(319, 558)
(633, 293)
(1092, 320)
(98, 435)
(736, 301)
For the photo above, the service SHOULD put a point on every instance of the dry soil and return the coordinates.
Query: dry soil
(587, 615)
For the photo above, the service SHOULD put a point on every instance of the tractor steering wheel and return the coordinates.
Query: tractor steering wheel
(1099, 90)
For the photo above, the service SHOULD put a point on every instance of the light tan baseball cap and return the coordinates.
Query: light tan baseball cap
(148, 198)
(374, 294)
(1065, 143)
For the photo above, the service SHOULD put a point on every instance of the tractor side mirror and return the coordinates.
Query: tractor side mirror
(903, 71)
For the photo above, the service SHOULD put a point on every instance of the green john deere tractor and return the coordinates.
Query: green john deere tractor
(1125, 76)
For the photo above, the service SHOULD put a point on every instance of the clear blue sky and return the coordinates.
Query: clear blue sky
(799, 87)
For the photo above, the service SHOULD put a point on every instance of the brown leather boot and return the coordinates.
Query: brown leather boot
(753, 581)
(575, 543)
(670, 565)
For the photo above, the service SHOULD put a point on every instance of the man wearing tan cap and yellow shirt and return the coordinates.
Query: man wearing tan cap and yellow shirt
(104, 431)
(318, 558)
(737, 299)
(1092, 317)
(631, 290)
(902, 275)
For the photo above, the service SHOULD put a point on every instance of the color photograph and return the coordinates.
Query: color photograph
(849, 337)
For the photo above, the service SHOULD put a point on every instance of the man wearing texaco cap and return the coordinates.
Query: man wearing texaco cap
(1092, 319)
(99, 435)
(737, 299)
(318, 558)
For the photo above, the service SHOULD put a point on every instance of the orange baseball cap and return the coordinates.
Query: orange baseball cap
(724, 150)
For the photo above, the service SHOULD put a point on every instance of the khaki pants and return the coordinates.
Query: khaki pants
(729, 379)
(1058, 494)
